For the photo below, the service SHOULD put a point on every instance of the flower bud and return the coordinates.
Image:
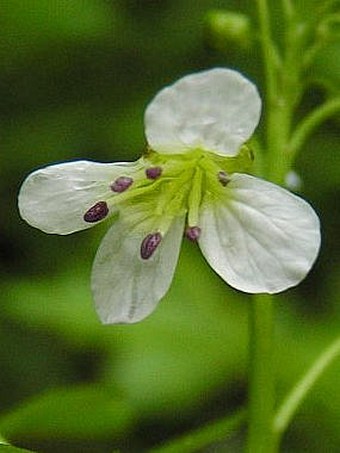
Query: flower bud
(226, 28)
(293, 180)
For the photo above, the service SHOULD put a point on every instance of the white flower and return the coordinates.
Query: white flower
(257, 236)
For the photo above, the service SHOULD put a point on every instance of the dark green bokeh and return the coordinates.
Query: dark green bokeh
(75, 80)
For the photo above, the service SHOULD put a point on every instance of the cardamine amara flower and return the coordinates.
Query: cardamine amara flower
(192, 181)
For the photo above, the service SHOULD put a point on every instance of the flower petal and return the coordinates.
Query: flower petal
(216, 110)
(55, 198)
(261, 238)
(126, 287)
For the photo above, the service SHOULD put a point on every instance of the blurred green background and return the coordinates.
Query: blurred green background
(75, 79)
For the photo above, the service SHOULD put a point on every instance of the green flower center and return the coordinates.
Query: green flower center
(168, 186)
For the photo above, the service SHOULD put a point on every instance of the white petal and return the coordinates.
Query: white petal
(261, 238)
(215, 110)
(126, 288)
(55, 198)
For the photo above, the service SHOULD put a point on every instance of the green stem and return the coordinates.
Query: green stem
(310, 123)
(327, 6)
(269, 51)
(288, 10)
(262, 375)
(278, 109)
(311, 53)
(261, 378)
(213, 432)
(284, 90)
(302, 388)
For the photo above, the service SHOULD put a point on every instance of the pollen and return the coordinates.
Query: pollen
(121, 184)
(97, 212)
(223, 178)
(193, 233)
(149, 245)
(153, 172)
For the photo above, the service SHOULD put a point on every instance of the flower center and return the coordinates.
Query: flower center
(176, 185)
(166, 187)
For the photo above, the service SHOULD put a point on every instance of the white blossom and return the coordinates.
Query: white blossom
(192, 181)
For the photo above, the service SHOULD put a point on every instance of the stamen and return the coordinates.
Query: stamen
(223, 178)
(96, 212)
(149, 245)
(193, 233)
(153, 172)
(121, 184)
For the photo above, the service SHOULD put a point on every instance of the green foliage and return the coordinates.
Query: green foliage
(76, 78)
(78, 413)
(10, 449)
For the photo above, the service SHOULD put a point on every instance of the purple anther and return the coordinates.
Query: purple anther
(193, 233)
(149, 245)
(96, 212)
(121, 184)
(153, 172)
(223, 178)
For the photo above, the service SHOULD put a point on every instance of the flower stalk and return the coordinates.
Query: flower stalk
(284, 89)
(262, 375)
(281, 97)
(261, 390)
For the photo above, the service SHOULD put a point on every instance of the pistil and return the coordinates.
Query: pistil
(195, 198)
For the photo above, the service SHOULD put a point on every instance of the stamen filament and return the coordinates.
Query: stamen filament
(134, 192)
(195, 198)
(174, 194)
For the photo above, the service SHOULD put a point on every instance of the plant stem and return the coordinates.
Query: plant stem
(213, 432)
(278, 109)
(268, 49)
(288, 9)
(284, 89)
(310, 123)
(302, 388)
(261, 387)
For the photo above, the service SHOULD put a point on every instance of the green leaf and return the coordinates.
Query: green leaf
(204, 436)
(10, 449)
(82, 413)
(68, 313)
